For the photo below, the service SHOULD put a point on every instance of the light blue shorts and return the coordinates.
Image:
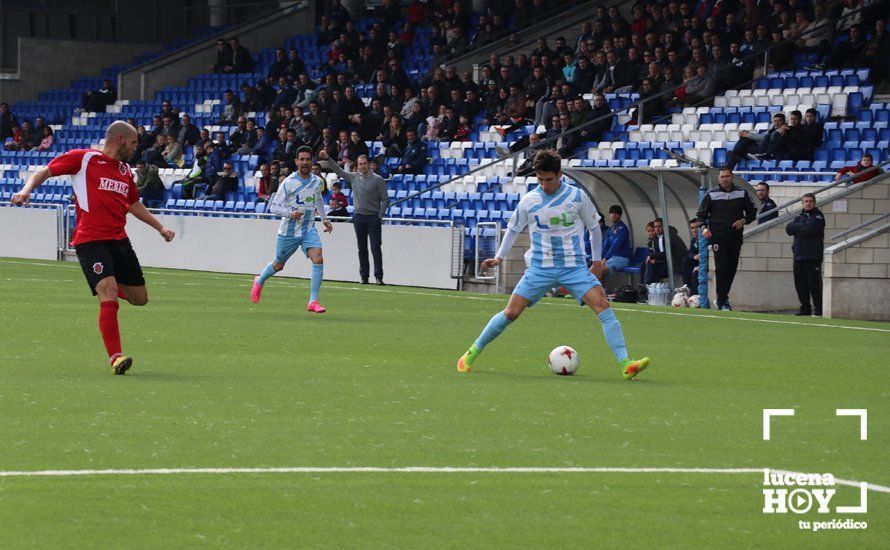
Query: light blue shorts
(538, 280)
(288, 245)
(617, 262)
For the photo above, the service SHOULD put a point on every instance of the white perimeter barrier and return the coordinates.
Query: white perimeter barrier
(29, 233)
(412, 255)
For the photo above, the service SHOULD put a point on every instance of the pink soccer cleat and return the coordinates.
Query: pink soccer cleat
(256, 290)
(315, 307)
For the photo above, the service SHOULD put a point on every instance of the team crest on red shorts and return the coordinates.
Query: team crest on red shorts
(98, 268)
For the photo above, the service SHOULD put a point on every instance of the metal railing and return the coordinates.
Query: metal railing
(478, 235)
(855, 228)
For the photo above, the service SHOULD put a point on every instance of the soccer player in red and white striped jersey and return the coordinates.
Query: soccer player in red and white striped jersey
(105, 191)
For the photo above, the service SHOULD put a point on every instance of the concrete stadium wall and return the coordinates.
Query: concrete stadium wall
(412, 255)
(765, 280)
(856, 279)
(266, 31)
(46, 63)
(29, 233)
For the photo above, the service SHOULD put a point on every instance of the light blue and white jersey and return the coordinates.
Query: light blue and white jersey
(556, 225)
(295, 193)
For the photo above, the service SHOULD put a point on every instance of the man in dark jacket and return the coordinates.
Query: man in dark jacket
(415, 155)
(600, 110)
(808, 230)
(724, 211)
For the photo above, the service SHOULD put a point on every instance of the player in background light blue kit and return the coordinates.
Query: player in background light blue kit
(297, 200)
(556, 215)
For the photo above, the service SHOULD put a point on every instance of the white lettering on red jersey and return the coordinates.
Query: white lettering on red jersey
(104, 189)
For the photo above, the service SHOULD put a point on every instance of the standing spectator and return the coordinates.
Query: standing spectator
(241, 61)
(370, 201)
(656, 262)
(617, 250)
(7, 121)
(724, 211)
(809, 135)
(338, 202)
(766, 204)
(808, 230)
(223, 56)
(148, 182)
(415, 155)
(47, 142)
(864, 164)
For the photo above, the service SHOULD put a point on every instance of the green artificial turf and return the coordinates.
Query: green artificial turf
(219, 382)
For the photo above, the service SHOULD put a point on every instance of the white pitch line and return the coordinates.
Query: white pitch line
(413, 470)
(499, 299)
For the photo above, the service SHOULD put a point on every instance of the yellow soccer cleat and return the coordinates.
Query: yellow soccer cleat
(465, 363)
(631, 368)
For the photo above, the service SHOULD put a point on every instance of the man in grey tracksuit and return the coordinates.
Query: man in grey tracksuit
(371, 201)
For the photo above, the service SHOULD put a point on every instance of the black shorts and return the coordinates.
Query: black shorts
(100, 259)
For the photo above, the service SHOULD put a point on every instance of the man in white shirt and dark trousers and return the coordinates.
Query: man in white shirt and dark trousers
(371, 201)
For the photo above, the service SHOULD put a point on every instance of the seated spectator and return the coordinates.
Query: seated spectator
(656, 263)
(356, 147)
(226, 182)
(286, 151)
(528, 167)
(46, 143)
(690, 261)
(772, 144)
(316, 169)
(809, 135)
(241, 60)
(307, 133)
(223, 56)
(155, 154)
(196, 175)
(95, 101)
(189, 135)
(238, 139)
(567, 140)
(766, 203)
(148, 182)
(463, 128)
(338, 202)
(603, 117)
(415, 156)
(617, 248)
(394, 137)
(849, 52)
(279, 65)
(7, 121)
(167, 109)
(378, 169)
(698, 88)
(231, 108)
(23, 138)
(173, 152)
(864, 164)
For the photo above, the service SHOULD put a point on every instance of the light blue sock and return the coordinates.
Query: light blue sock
(268, 271)
(317, 274)
(613, 333)
(493, 329)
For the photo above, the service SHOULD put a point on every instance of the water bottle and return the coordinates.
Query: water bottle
(650, 294)
(664, 294)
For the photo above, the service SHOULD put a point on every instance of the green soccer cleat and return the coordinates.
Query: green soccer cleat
(631, 368)
(121, 364)
(465, 363)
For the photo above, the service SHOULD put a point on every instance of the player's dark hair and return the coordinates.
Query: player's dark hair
(763, 183)
(650, 224)
(657, 220)
(809, 195)
(811, 110)
(724, 168)
(796, 113)
(548, 160)
(304, 149)
(779, 115)
(616, 209)
(867, 155)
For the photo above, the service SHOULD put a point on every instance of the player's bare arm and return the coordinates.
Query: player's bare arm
(142, 214)
(36, 180)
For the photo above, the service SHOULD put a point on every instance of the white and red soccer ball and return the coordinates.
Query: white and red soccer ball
(564, 361)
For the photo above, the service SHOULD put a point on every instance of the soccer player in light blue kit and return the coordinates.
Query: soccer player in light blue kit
(556, 214)
(297, 200)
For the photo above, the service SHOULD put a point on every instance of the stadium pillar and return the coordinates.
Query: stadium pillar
(703, 301)
(667, 226)
(218, 12)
